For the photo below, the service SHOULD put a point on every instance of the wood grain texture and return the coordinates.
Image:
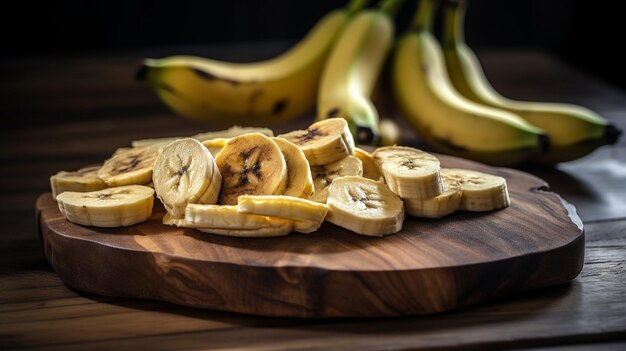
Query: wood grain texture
(430, 266)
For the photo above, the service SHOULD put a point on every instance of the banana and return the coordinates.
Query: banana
(324, 175)
(215, 145)
(226, 220)
(184, 173)
(251, 164)
(82, 180)
(352, 69)
(269, 91)
(299, 180)
(202, 137)
(306, 215)
(112, 207)
(574, 131)
(438, 206)
(364, 206)
(133, 166)
(481, 191)
(323, 142)
(410, 172)
(445, 119)
(371, 169)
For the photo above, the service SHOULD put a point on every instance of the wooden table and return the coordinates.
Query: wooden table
(60, 113)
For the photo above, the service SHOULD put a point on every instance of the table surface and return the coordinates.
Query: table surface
(60, 113)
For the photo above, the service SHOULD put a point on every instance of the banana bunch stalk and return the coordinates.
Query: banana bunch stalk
(444, 118)
(574, 131)
(265, 92)
(352, 70)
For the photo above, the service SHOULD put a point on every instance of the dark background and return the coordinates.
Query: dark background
(583, 33)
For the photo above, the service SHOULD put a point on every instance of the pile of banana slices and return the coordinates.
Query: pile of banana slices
(246, 182)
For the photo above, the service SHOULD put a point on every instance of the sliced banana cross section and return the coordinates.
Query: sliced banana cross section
(410, 172)
(226, 220)
(251, 164)
(299, 179)
(323, 142)
(323, 175)
(371, 169)
(364, 206)
(112, 207)
(85, 179)
(481, 191)
(307, 215)
(133, 166)
(438, 206)
(184, 173)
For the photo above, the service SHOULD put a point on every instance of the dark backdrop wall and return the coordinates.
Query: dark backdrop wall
(584, 33)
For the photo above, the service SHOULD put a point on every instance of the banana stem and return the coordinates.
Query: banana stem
(454, 21)
(390, 6)
(356, 5)
(423, 19)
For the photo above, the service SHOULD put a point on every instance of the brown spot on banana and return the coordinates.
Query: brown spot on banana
(333, 112)
(280, 106)
(208, 76)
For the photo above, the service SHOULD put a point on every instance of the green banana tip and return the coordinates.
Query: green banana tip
(612, 134)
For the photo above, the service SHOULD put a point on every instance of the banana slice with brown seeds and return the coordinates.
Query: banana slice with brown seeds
(299, 179)
(323, 142)
(133, 166)
(324, 175)
(251, 164)
(82, 180)
(364, 206)
(184, 173)
(112, 207)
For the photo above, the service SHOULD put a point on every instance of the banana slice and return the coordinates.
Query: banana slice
(128, 167)
(184, 173)
(112, 207)
(251, 164)
(85, 179)
(299, 179)
(215, 145)
(439, 206)
(226, 134)
(323, 142)
(410, 172)
(371, 169)
(175, 222)
(307, 215)
(226, 220)
(481, 191)
(323, 175)
(364, 206)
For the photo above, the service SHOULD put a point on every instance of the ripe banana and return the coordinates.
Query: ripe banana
(306, 215)
(202, 137)
(226, 220)
(574, 131)
(215, 145)
(481, 191)
(299, 180)
(438, 206)
(371, 169)
(112, 207)
(445, 119)
(410, 172)
(251, 164)
(85, 179)
(364, 206)
(324, 175)
(133, 166)
(184, 173)
(269, 91)
(352, 69)
(323, 142)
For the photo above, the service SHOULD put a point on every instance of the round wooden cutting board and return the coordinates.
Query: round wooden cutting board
(430, 266)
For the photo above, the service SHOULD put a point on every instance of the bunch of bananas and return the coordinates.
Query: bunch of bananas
(442, 92)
